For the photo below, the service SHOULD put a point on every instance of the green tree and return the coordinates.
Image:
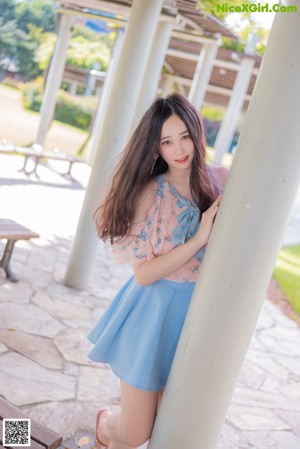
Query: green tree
(21, 28)
(17, 45)
(87, 47)
(219, 9)
(7, 10)
(40, 13)
(248, 27)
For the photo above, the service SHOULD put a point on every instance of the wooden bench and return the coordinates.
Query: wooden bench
(12, 232)
(41, 436)
(37, 153)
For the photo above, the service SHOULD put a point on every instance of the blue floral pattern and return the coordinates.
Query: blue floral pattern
(171, 221)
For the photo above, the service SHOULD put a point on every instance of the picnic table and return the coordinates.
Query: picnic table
(12, 232)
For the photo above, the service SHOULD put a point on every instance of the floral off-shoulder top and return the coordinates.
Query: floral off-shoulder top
(171, 221)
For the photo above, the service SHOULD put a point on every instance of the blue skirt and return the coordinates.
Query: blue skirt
(138, 334)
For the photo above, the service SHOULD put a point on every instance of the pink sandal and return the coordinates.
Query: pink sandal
(99, 444)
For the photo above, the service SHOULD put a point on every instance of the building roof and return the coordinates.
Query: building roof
(190, 30)
(208, 24)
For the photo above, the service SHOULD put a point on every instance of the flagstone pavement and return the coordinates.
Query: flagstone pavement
(44, 368)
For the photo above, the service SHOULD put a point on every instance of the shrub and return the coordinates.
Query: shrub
(75, 111)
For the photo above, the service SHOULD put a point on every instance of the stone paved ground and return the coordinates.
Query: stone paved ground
(43, 325)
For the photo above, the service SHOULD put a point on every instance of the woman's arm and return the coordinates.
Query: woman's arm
(161, 266)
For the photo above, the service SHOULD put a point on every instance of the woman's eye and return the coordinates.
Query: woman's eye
(186, 136)
(166, 142)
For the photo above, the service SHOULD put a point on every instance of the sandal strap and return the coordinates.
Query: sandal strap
(97, 439)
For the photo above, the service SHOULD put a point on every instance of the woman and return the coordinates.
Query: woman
(158, 215)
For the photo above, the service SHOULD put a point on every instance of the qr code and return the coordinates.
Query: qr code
(16, 432)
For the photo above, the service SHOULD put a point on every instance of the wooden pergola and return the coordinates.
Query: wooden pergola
(191, 28)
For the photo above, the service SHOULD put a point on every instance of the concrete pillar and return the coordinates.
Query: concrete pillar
(92, 78)
(115, 128)
(241, 253)
(202, 73)
(234, 108)
(153, 70)
(54, 78)
(73, 88)
(96, 131)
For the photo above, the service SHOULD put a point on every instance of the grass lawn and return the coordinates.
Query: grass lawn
(287, 274)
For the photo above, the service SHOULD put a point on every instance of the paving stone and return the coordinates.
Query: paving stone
(74, 346)
(292, 390)
(292, 419)
(3, 348)
(265, 319)
(255, 418)
(21, 251)
(66, 418)
(59, 308)
(75, 297)
(272, 440)
(282, 332)
(267, 363)
(19, 292)
(40, 349)
(281, 346)
(251, 375)
(100, 287)
(78, 324)
(292, 364)
(103, 291)
(75, 441)
(279, 318)
(29, 319)
(31, 383)
(59, 271)
(71, 368)
(42, 260)
(229, 438)
(97, 384)
(272, 383)
(270, 401)
(37, 278)
(102, 271)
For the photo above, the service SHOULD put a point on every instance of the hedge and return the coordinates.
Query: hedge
(76, 111)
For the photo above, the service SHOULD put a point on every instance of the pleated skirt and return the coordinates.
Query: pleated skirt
(139, 332)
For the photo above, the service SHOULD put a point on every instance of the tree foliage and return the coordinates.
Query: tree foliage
(246, 22)
(40, 13)
(27, 38)
(87, 48)
(21, 27)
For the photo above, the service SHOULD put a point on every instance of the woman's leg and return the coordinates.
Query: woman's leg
(132, 425)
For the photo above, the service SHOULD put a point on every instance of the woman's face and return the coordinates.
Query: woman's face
(176, 146)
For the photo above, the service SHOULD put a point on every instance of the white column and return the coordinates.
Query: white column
(73, 88)
(153, 70)
(202, 73)
(96, 131)
(92, 78)
(241, 253)
(54, 78)
(234, 108)
(115, 127)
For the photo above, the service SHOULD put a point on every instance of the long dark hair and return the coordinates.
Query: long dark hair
(135, 168)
